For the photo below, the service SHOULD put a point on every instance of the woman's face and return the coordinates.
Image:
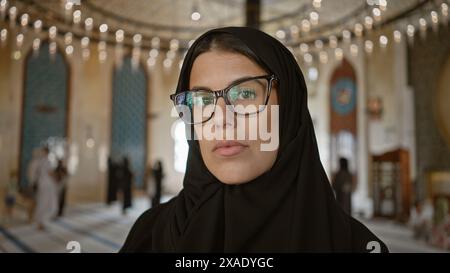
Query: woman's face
(231, 158)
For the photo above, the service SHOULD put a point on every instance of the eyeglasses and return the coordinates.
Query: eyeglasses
(245, 96)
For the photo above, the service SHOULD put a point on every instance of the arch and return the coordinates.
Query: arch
(129, 118)
(343, 115)
(45, 103)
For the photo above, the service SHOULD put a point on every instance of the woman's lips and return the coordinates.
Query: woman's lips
(229, 148)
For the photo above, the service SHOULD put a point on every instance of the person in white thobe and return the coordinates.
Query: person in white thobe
(47, 192)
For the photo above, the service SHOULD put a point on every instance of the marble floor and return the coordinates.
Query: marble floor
(97, 228)
(100, 228)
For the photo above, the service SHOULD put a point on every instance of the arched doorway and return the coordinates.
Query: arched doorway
(129, 118)
(45, 103)
(343, 118)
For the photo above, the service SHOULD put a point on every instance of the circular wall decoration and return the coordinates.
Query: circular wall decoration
(343, 96)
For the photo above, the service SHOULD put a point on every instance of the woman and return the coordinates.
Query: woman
(343, 186)
(124, 176)
(158, 175)
(60, 175)
(47, 192)
(236, 196)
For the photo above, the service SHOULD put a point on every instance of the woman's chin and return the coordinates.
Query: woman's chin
(234, 177)
(231, 182)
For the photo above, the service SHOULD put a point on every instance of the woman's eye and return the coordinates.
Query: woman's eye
(203, 100)
(242, 94)
(247, 94)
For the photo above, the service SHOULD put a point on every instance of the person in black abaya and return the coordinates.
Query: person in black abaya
(60, 175)
(111, 194)
(343, 186)
(158, 175)
(236, 198)
(125, 177)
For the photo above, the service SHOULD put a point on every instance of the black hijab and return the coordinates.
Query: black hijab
(290, 208)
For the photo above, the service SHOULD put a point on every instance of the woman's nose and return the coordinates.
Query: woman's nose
(223, 114)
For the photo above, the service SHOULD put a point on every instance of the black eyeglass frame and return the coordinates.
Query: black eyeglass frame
(224, 92)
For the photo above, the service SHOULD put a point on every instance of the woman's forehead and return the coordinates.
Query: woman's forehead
(217, 69)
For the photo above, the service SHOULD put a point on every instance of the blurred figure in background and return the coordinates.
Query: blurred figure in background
(10, 197)
(441, 228)
(343, 186)
(112, 182)
(158, 175)
(46, 191)
(421, 220)
(30, 190)
(124, 177)
(60, 175)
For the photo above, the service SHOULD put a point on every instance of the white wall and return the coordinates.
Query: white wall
(387, 73)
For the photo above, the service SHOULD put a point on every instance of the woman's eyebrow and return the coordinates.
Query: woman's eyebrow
(231, 83)
(201, 88)
(241, 78)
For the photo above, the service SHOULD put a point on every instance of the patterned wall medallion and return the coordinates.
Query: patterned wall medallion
(343, 96)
